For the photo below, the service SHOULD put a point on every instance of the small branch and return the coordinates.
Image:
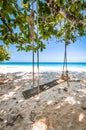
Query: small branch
(9, 28)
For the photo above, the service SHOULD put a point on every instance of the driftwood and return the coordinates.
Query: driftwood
(31, 92)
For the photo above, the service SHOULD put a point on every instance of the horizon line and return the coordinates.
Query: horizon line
(42, 62)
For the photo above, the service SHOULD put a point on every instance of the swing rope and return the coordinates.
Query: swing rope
(33, 66)
(65, 75)
(37, 50)
(65, 59)
(38, 70)
(33, 43)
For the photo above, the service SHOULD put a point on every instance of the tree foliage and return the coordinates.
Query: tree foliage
(63, 19)
(4, 55)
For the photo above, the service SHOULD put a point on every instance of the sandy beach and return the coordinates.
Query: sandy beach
(58, 108)
(13, 69)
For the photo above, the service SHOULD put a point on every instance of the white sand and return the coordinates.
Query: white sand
(53, 109)
(12, 69)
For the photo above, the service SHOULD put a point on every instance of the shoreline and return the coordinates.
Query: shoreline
(12, 69)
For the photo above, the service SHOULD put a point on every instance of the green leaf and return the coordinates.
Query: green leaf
(4, 55)
(25, 1)
(1, 3)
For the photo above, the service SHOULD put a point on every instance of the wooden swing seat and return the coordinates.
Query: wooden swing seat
(31, 92)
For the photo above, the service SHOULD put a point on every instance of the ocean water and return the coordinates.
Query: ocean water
(6, 67)
(45, 64)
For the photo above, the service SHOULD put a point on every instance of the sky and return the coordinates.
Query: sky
(54, 52)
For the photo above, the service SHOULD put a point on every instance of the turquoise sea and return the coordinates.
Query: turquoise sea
(6, 67)
(50, 64)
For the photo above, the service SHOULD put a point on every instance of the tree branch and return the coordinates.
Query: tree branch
(70, 17)
(60, 10)
(9, 28)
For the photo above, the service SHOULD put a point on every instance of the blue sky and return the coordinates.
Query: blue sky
(54, 52)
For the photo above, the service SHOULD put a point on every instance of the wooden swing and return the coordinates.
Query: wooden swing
(64, 77)
(40, 88)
